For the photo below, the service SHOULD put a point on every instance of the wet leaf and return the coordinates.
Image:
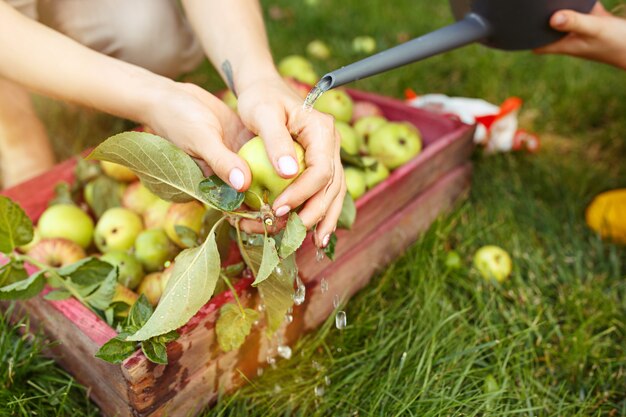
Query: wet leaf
(220, 194)
(269, 261)
(233, 326)
(155, 351)
(163, 168)
(294, 235)
(140, 312)
(116, 349)
(87, 272)
(103, 295)
(190, 286)
(329, 250)
(348, 213)
(16, 229)
(23, 289)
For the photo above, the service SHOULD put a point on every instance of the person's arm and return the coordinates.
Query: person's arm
(233, 35)
(597, 36)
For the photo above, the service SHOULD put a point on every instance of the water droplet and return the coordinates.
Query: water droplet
(161, 316)
(289, 318)
(324, 285)
(290, 310)
(327, 380)
(312, 97)
(278, 270)
(319, 255)
(336, 300)
(319, 391)
(339, 349)
(261, 307)
(271, 360)
(259, 371)
(299, 295)
(277, 388)
(340, 320)
(402, 358)
(284, 351)
(316, 365)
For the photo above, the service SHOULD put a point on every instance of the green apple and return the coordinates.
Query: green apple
(56, 252)
(365, 126)
(336, 103)
(88, 191)
(364, 44)
(395, 143)
(376, 175)
(299, 68)
(138, 198)
(36, 239)
(266, 184)
(154, 216)
(117, 229)
(189, 215)
(230, 99)
(453, 261)
(350, 141)
(66, 221)
(118, 172)
(365, 109)
(493, 263)
(355, 180)
(153, 248)
(151, 287)
(318, 49)
(129, 269)
(124, 295)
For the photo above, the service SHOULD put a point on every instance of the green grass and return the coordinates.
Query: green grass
(421, 340)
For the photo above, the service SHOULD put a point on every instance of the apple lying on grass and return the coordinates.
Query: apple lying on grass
(493, 263)
(189, 215)
(336, 103)
(318, 49)
(56, 252)
(66, 221)
(129, 269)
(395, 143)
(299, 68)
(153, 249)
(117, 230)
(364, 44)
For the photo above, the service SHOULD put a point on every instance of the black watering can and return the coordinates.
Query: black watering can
(503, 24)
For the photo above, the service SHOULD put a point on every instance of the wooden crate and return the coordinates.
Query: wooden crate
(390, 217)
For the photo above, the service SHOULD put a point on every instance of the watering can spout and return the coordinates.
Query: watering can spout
(471, 28)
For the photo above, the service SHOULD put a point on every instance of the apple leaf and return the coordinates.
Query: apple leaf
(140, 312)
(116, 349)
(269, 261)
(294, 235)
(220, 194)
(11, 272)
(187, 235)
(155, 351)
(57, 295)
(356, 160)
(329, 250)
(163, 168)
(106, 195)
(102, 296)
(191, 285)
(16, 229)
(277, 293)
(87, 272)
(348, 213)
(234, 325)
(23, 289)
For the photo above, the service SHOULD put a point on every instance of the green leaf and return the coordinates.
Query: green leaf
(234, 270)
(168, 337)
(187, 236)
(233, 326)
(16, 229)
(140, 312)
(103, 295)
(348, 213)
(294, 235)
(116, 349)
(155, 351)
(163, 168)
(277, 293)
(269, 261)
(26, 288)
(11, 272)
(220, 194)
(62, 194)
(356, 160)
(191, 285)
(57, 295)
(106, 194)
(87, 272)
(329, 250)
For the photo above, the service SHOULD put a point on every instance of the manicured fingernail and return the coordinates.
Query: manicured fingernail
(325, 241)
(282, 210)
(236, 178)
(287, 165)
(560, 19)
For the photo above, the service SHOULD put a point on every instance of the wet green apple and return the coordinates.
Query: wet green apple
(138, 198)
(395, 143)
(118, 172)
(349, 139)
(299, 68)
(153, 248)
(336, 103)
(493, 263)
(129, 269)
(266, 184)
(154, 216)
(151, 287)
(56, 252)
(376, 175)
(66, 221)
(189, 215)
(117, 229)
(365, 126)
(355, 180)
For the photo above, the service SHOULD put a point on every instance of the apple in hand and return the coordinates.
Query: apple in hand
(230, 100)
(66, 221)
(129, 269)
(375, 175)
(336, 103)
(151, 287)
(117, 229)
(154, 216)
(355, 180)
(365, 109)
(266, 184)
(138, 198)
(493, 263)
(395, 143)
(56, 252)
(153, 248)
(366, 125)
(189, 215)
(349, 139)
(299, 68)
(118, 172)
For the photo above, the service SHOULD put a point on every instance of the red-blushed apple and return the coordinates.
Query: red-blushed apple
(117, 229)
(493, 263)
(364, 44)
(336, 103)
(153, 248)
(56, 252)
(355, 180)
(365, 109)
(151, 287)
(350, 141)
(318, 49)
(118, 172)
(395, 143)
(365, 126)
(299, 68)
(129, 269)
(266, 184)
(154, 216)
(189, 215)
(124, 295)
(66, 221)
(138, 198)
(230, 99)
(375, 175)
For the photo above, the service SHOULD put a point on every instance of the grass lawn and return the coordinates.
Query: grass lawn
(420, 340)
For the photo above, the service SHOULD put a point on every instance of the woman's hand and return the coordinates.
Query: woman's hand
(598, 36)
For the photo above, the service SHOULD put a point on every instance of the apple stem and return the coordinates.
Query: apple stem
(234, 292)
(242, 250)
